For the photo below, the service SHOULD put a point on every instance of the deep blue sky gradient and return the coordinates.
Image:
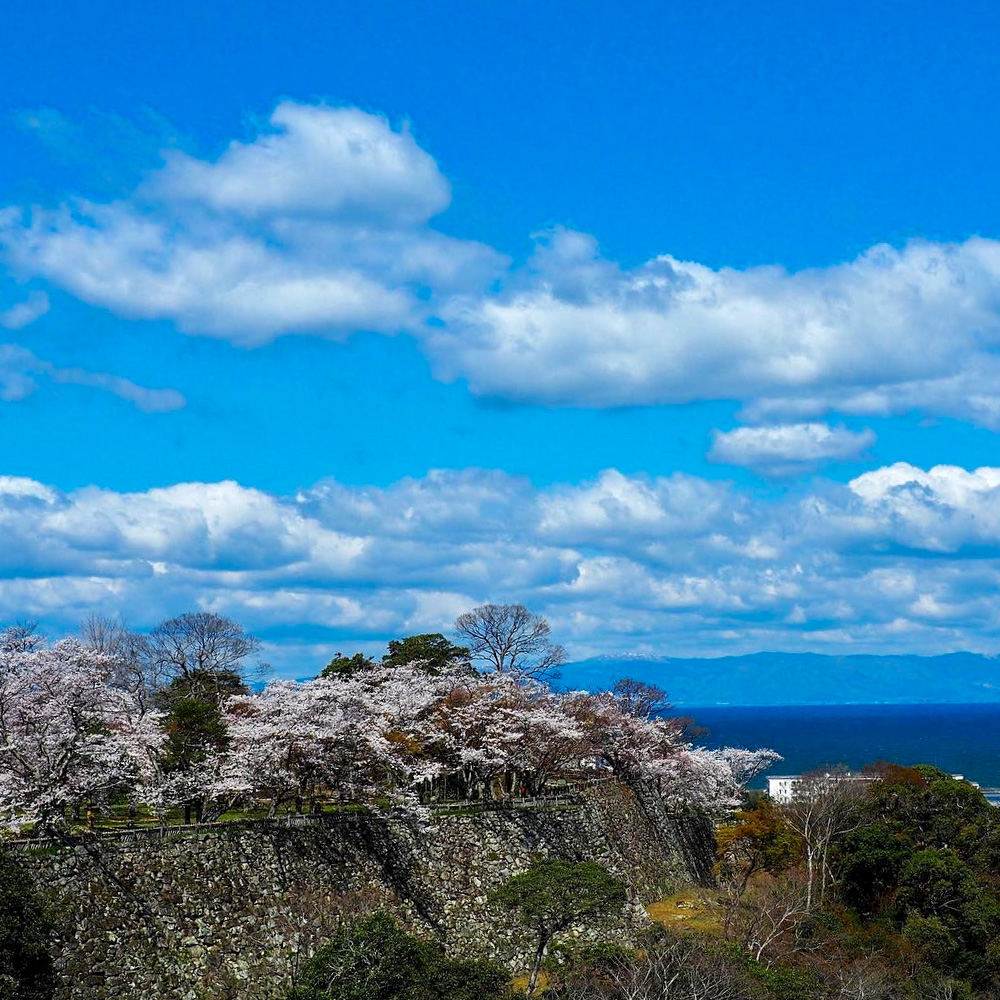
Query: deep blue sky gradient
(736, 134)
(733, 134)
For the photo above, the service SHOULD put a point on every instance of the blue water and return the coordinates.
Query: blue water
(960, 739)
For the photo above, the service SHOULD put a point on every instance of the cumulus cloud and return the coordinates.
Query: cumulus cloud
(868, 336)
(20, 371)
(319, 224)
(788, 449)
(315, 161)
(322, 223)
(900, 557)
(944, 509)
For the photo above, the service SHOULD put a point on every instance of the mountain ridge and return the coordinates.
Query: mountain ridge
(778, 678)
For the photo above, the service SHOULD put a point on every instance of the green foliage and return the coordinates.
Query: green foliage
(209, 685)
(926, 806)
(432, 649)
(869, 860)
(922, 870)
(347, 666)
(375, 959)
(25, 935)
(194, 728)
(552, 894)
(193, 724)
(936, 884)
(785, 982)
(575, 958)
(930, 938)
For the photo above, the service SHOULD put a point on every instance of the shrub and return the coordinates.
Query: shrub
(25, 935)
(375, 959)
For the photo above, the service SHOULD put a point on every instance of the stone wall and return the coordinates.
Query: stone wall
(234, 912)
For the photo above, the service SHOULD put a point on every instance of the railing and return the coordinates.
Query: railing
(501, 805)
(569, 795)
(563, 794)
(182, 830)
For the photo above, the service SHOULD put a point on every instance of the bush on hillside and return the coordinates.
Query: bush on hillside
(25, 935)
(375, 959)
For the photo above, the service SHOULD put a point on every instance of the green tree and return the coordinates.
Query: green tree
(347, 666)
(554, 894)
(432, 649)
(929, 807)
(936, 884)
(194, 726)
(867, 863)
(375, 959)
(25, 935)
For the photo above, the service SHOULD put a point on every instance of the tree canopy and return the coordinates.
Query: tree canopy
(431, 649)
(26, 970)
(347, 666)
(375, 959)
(553, 894)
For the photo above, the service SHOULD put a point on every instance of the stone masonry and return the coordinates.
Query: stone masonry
(234, 912)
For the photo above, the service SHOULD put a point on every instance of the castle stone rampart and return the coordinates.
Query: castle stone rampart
(234, 911)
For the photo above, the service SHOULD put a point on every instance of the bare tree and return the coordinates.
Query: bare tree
(640, 699)
(510, 640)
(825, 807)
(199, 649)
(665, 968)
(769, 914)
(870, 979)
(136, 669)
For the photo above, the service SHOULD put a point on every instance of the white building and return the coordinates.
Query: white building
(785, 788)
(781, 787)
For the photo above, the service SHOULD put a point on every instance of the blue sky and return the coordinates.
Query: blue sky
(680, 326)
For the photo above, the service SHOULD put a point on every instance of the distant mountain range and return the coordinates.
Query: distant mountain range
(800, 678)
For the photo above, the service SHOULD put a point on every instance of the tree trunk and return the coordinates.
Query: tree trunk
(536, 966)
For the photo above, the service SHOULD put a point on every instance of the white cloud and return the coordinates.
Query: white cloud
(317, 161)
(902, 558)
(20, 370)
(787, 449)
(615, 506)
(317, 225)
(25, 312)
(868, 336)
(943, 509)
(321, 223)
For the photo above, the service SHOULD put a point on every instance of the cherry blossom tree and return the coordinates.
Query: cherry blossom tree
(357, 734)
(478, 726)
(66, 733)
(713, 780)
(548, 739)
(76, 724)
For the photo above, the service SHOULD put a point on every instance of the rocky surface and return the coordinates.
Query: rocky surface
(236, 911)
